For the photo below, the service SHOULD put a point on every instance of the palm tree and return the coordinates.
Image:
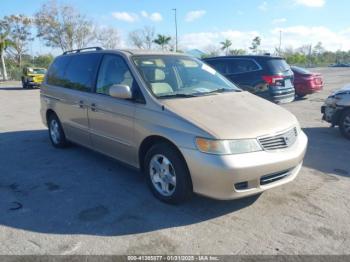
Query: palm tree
(226, 45)
(162, 40)
(4, 43)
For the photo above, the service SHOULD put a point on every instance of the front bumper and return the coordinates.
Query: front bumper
(216, 176)
(331, 114)
(33, 84)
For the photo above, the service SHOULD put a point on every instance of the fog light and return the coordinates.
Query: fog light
(241, 185)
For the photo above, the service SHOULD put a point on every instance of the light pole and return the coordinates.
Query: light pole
(175, 16)
(280, 46)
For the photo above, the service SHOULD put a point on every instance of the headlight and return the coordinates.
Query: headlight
(227, 147)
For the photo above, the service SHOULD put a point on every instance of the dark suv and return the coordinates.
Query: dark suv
(267, 76)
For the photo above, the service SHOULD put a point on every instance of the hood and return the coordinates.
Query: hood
(345, 89)
(234, 115)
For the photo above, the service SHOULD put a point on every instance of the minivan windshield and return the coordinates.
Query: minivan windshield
(301, 70)
(180, 76)
(40, 71)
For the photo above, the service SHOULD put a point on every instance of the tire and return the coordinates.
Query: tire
(56, 133)
(24, 84)
(300, 95)
(344, 123)
(172, 176)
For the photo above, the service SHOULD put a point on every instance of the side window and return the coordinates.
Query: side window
(80, 72)
(113, 71)
(219, 65)
(55, 75)
(237, 66)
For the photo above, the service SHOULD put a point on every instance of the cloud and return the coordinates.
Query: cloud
(311, 3)
(193, 15)
(296, 36)
(240, 39)
(263, 6)
(155, 17)
(293, 36)
(125, 16)
(279, 20)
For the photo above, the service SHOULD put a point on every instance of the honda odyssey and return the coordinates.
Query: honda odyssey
(179, 121)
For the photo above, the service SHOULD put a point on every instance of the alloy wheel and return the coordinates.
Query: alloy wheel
(163, 175)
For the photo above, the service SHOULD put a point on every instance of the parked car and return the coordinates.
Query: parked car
(306, 82)
(336, 110)
(266, 76)
(32, 76)
(175, 118)
(340, 65)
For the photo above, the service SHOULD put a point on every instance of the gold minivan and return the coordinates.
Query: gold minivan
(185, 126)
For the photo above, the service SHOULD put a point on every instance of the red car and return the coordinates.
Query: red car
(306, 82)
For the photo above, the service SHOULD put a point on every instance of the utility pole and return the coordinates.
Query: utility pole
(279, 49)
(175, 13)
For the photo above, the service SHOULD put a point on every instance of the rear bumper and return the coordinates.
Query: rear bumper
(222, 177)
(308, 89)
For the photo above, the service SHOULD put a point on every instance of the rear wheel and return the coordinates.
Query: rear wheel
(56, 134)
(167, 174)
(300, 95)
(344, 123)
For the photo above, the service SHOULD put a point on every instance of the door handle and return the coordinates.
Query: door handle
(93, 107)
(81, 104)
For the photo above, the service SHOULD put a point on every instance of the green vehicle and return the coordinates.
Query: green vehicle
(32, 77)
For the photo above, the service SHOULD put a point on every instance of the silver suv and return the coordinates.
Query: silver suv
(336, 110)
(173, 117)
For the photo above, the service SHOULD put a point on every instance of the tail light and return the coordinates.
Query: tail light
(273, 80)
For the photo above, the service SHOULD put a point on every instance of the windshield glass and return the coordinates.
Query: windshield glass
(301, 70)
(39, 71)
(278, 65)
(168, 75)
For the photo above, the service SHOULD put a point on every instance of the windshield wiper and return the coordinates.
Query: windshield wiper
(177, 95)
(219, 90)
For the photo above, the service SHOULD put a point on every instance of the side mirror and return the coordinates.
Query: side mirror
(120, 91)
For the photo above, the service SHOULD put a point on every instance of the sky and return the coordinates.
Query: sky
(203, 24)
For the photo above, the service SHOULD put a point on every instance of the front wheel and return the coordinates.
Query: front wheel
(344, 124)
(56, 134)
(24, 83)
(167, 174)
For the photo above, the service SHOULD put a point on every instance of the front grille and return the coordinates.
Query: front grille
(274, 177)
(280, 141)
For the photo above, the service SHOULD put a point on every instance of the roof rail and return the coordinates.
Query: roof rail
(97, 48)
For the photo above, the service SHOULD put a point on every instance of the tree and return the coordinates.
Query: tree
(211, 50)
(319, 49)
(4, 43)
(162, 41)
(226, 45)
(237, 52)
(43, 60)
(142, 38)
(20, 34)
(63, 26)
(255, 44)
(108, 37)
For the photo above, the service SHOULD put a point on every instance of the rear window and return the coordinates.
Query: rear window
(238, 66)
(74, 72)
(80, 72)
(219, 65)
(277, 65)
(55, 75)
(301, 70)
